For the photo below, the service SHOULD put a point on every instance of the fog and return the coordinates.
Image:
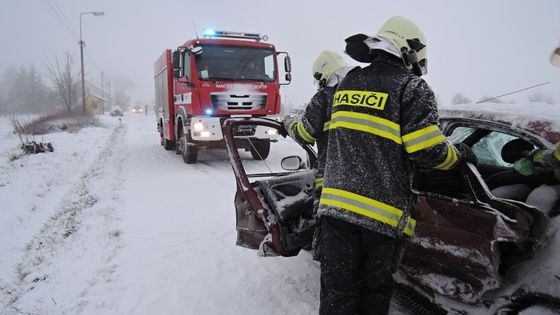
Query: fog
(477, 48)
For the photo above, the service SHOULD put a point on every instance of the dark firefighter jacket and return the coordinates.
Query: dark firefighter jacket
(311, 127)
(383, 117)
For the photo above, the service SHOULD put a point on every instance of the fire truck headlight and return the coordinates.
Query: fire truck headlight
(205, 134)
(198, 126)
(272, 131)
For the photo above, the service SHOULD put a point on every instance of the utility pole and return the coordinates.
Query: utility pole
(102, 94)
(82, 58)
(109, 92)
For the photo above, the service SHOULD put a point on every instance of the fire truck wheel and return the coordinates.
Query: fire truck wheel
(190, 153)
(260, 149)
(180, 144)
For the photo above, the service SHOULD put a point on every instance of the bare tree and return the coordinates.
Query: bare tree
(63, 81)
(460, 99)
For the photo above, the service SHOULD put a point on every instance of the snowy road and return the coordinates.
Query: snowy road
(140, 232)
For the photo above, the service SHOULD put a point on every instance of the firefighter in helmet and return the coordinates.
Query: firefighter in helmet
(328, 71)
(384, 117)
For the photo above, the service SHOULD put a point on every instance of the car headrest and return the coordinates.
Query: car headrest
(515, 150)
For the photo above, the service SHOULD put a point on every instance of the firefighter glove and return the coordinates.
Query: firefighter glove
(288, 121)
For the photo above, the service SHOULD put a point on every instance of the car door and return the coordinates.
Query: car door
(274, 201)
(466, 239)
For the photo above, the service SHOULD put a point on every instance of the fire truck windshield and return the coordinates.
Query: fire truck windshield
(235, 63)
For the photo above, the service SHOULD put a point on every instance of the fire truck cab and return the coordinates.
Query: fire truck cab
(209, 79)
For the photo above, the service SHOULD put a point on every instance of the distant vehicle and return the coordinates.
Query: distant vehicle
(116, 111)
(137, 109)
(473, 251)
(209, 79)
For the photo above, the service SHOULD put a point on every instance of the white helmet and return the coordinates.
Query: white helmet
(408, 38)
(325, 66)
(402, 38)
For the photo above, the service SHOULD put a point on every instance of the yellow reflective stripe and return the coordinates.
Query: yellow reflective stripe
(369, 99)
(319, 181)
(304, 134)
(557, 153)
(366, 123)
(410, 226)
(450, 160)
(368, 207)
(423, 138)
(290, 128)
(326, 125)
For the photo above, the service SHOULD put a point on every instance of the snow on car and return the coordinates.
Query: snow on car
(484, 233)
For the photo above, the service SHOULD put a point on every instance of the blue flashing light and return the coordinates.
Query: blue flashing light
(208, 111)
(210, 33)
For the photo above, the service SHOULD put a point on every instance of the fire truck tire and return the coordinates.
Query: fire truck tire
(260, 149)
(189, 152)
(179, 145)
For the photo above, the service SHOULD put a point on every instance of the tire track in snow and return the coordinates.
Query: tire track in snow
(76, 245)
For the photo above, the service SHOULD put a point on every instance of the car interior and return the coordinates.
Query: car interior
(496, 152)
(291, 198)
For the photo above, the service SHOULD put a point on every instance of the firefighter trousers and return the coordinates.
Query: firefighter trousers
(356, 264)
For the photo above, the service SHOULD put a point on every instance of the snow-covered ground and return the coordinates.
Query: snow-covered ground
(110, 223)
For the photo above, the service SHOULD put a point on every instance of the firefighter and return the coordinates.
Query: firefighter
(384, 117)
(328, 70)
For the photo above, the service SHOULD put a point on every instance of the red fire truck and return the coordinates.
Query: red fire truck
(209, 79)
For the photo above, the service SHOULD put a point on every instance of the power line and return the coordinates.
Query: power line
(57, 16)
(63, 17)
(493, 98)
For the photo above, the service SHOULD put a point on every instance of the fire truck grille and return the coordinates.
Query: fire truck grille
(227, 101)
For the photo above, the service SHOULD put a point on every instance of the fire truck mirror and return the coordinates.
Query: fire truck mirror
(288, 77)
(176, 73)
(176, 59)
(287, 64)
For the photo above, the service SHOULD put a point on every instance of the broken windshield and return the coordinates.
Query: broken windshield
(235, 63)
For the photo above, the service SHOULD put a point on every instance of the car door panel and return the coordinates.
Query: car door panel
(275, 212)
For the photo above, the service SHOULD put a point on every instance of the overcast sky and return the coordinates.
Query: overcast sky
(475, 47)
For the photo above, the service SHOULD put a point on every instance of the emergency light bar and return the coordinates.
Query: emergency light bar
(226, 34)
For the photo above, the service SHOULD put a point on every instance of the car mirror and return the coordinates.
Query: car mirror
(291, 163)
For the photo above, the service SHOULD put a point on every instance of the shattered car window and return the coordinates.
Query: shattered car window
(460, 134)
(489, 149)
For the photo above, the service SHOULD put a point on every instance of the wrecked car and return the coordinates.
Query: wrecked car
(485, 235)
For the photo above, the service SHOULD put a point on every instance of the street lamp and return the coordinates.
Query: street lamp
(82, 57)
